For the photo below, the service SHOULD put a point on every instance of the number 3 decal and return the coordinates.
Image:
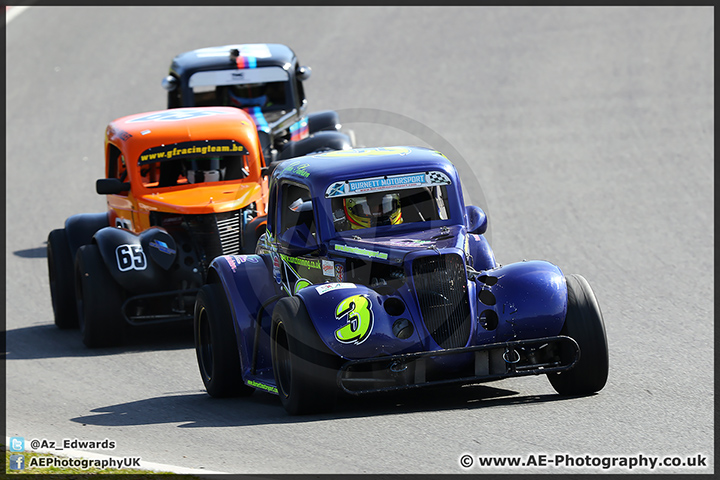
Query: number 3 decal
(130, 257)
(359, 315)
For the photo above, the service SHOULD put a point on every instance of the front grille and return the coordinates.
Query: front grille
(228, 226)
(441, 289)
(215, 234)
(201, 238)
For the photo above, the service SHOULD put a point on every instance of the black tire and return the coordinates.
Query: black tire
(584, 323)
(305, 369)
(216, 345)
(62, 283)
(98, 298)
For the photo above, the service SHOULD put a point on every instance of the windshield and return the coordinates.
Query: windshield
(376, 209)
(266, 89)
(193, 162)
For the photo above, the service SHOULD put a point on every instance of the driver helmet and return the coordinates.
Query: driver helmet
(248, 95)
(372, 210)
(204, 170)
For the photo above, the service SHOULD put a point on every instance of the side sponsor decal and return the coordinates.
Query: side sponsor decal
(130, 257)
(328, 268)
(385, 183)
(231, 261)
(277, 274)
(329, 287)
(361, 251)
(339, 272)
(162, 246)
(356, 311)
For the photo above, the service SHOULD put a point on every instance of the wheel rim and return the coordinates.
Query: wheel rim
(282, 362)
(205, 344)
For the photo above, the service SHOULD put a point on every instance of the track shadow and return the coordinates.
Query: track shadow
(48, 341)
(199, 410)
(38, 252)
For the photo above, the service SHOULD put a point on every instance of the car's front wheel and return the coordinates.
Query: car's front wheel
(584, 323)
(62, 283)
(98, 299)
(216, 346)
(304, 368)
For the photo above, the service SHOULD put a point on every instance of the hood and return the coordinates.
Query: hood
(393, 248)
(203, 199)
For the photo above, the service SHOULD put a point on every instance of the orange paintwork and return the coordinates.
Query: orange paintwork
(135, 134)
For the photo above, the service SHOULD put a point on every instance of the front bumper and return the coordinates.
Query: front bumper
(476, 364)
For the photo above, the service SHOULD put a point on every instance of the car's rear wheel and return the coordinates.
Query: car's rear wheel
(305, 369)
(98, 299)
(216, 345)
(62, 284)
(584, 323)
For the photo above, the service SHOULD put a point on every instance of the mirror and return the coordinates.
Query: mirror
(303, 73)
(169, 83)
(476, 220)
(111, 186)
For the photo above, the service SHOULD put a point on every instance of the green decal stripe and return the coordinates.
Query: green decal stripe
(302, 261)
(361, 251)
(262, 386)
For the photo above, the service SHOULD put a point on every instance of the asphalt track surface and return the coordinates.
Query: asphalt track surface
(591, 131)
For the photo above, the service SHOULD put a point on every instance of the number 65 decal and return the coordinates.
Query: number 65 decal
(359, 319)
(130, 257)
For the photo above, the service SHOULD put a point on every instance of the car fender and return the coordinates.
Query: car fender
(482, 255)
(139, 263)
(351, 320)
(250, 290)
(324, 120)
(317, 142)
(80, 229)
(521, 301)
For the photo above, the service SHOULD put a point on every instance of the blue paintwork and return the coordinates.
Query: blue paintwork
(529, 297)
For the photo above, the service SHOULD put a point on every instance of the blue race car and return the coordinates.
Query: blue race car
(374, 276)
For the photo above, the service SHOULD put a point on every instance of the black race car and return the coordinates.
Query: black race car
(266, 81)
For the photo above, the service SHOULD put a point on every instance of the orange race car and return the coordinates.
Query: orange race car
(183, 186)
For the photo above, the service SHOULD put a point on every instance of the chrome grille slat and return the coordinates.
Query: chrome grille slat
(228, 226)
(441, 288)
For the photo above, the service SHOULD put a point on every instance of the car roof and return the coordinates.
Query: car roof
(319, 171)
(133, 134)
(213, 58)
